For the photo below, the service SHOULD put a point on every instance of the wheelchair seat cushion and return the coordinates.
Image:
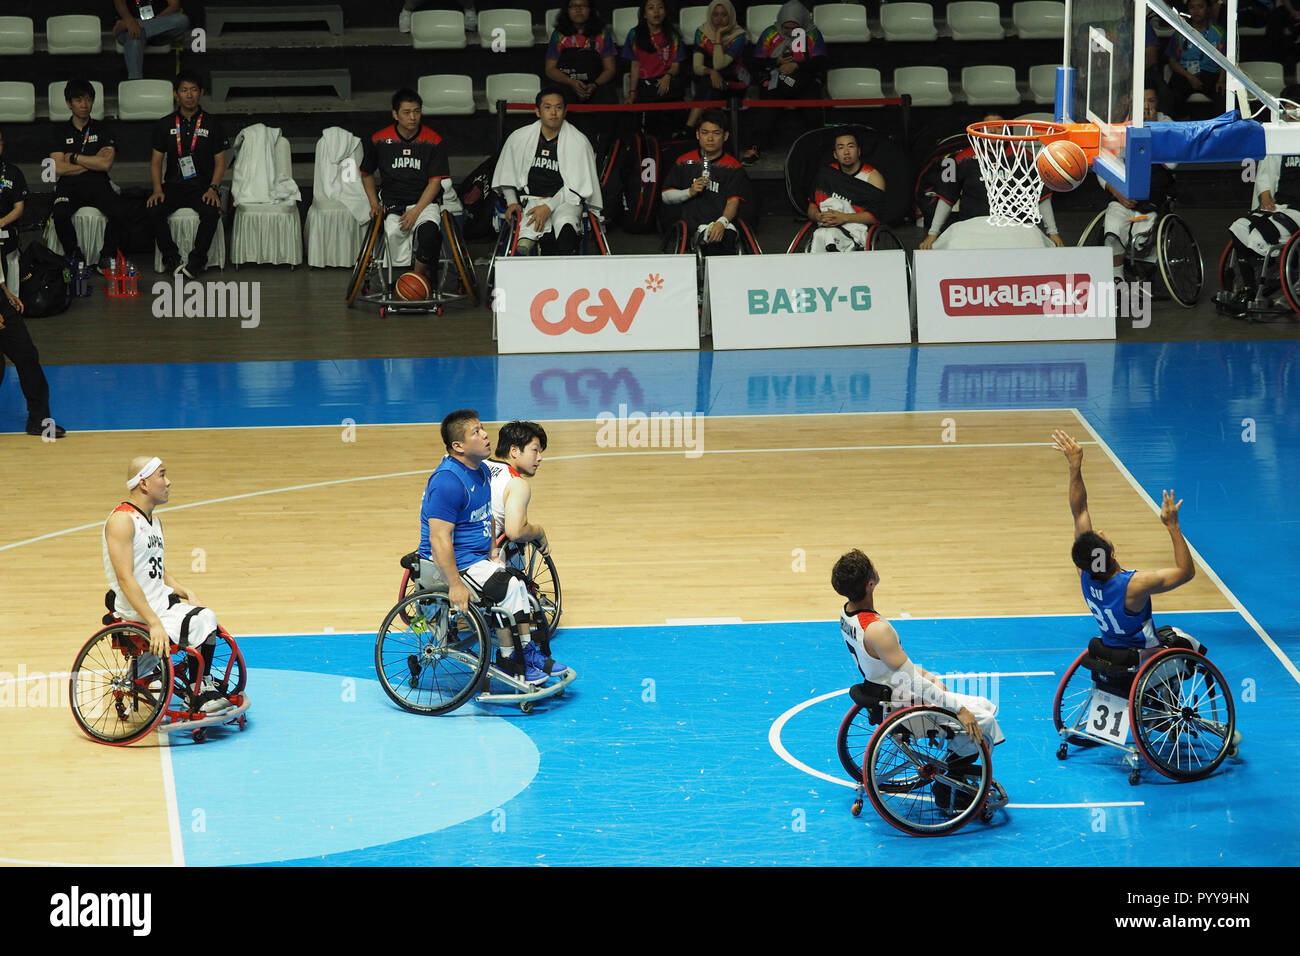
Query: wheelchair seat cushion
(411, 562)
(1118, 656)
(1169, 637)
(871, 697)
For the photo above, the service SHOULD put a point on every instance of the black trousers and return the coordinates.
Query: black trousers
(16, 344)
(71, 195)
(183, 195)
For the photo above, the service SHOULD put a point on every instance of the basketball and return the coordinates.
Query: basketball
(1062, 165)
(412, 287)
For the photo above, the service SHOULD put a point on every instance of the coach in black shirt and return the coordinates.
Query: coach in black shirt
(84, 150)
(187, 165)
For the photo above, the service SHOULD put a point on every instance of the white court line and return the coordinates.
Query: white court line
(774, 741)
(1285, 661)
(173, 812)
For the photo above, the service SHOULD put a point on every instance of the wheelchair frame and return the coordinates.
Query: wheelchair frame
(374, 280)
(897, 768)
(120, 681)
(1286, 255)
(1168, 256)
(1163, 706)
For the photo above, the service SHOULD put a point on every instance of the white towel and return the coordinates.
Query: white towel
(259, 178)
(337, 176)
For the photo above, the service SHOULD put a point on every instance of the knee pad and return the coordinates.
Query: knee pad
(428, 241)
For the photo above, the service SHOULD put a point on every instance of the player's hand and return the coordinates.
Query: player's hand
(1195, 83)
(212, 197)
(407, 222)
(833, 217)
(376, 209)
(185, 595)
(159, 643)
(133, 27)
(927, 242)
(1057, 240)
(1068, 447)
(155, 198)
(1169, 509)
(665, 82)
(537, 216)
(970, 725)
(543, 545)
(1128, 203)
(458, 594)
(698, 185)
(716, 79)
(1268, 205)
(513, 211)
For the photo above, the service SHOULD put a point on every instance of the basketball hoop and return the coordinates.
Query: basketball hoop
(1007, 150)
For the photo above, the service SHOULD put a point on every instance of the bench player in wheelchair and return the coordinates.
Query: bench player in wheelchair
(414, 220)
(919, 752)
(704, 196)
(168, 666)
(1147, 239)
(837, 181)
(1157, 683)
(433, 652)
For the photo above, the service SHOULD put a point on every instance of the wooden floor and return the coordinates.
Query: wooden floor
(292, 530)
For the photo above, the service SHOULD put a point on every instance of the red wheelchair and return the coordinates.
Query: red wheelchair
(120, 692)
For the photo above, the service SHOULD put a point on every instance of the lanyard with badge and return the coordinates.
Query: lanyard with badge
(183, 159)
(145, 10)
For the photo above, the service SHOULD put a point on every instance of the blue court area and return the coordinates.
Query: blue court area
(662, 753)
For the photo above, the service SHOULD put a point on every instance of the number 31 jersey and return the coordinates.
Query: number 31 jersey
(146, 562)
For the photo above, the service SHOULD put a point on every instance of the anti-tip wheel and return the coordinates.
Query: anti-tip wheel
(1134, 778)
(856, 809)
(526, 707)
(1062, 752)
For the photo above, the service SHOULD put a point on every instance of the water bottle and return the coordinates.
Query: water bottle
(704, 166)
(79, 276)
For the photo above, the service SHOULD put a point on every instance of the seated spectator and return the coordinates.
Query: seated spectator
(83, 154)
(718, 62)
(847, 195)
(187, 165)
(545, 172)
(791, 64)
(581, 57)
(410, 6)
(1193, 71)
(656, 51)
(1130, 223)
(146, 21)
(706, 188)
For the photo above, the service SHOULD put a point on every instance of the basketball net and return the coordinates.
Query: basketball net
(1007, 151)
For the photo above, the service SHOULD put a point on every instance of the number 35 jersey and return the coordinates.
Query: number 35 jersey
(146, 563)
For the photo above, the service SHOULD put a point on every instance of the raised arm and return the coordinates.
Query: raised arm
(1073, 453)
(1145, 583)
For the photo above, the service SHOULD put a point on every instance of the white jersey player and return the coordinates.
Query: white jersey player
(518, 456)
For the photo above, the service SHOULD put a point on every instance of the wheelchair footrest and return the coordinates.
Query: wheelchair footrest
(523, 691)
(229, 716)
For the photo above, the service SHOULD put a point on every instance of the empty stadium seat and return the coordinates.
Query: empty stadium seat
(72, 33)
(59, 111)
(1266, 74)
(513, 27)
(1042, 83)
(552, 17)
(758, 18)
(17, 102)
(1039, 19)
(438, 30)
(854, 83)
(927, 85)
(624, 21)
(842, 22)
(513, 88)
(990, 85)
(1040, 117)
(908, 21)
(17, 36)
(143, 99)
(448, 94)
(267, 232)
(690, 19)
(974, 20)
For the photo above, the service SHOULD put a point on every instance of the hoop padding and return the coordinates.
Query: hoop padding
(1007, 151)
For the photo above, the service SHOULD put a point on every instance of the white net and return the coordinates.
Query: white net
(1007, 151)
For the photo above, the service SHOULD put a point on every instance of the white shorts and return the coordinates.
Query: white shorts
(935, 695)
(1129, 227)
(1262, 231)
(564, 214)
(982, 234)
(828, 237)
(516, 600)
(186, 625)
(398, 243)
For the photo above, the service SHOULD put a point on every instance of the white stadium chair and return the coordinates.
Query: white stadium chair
(515, 27)
(1267, 74)
(143, 99)
(758, 18)
(624, 21)
(990, 85)
(438, 30)
(513, 88)
(854, 83)
(1039, 19)
(184, 226)
(72, 33)
(552, 17)
(927, 85)
(332, 234)
(448, 94)
(17, 36)
(17, 102)
(1042, 83)
(59, 111)
(89, 224)
(690, 19)
(268, 232)
(842, 22)
(974, 20)
(908, 22)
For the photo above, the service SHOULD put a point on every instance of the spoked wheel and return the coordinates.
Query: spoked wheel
(543, 582)
(596, 231)
(461, 258)
(1181, 266)
(362, 267)
(748, 241)
(916, 781)
(1182, 714)
(1229, 278)
(880, 236)
(430, 656)
(119, 690)
(228, 665)
(851, 742)
(504, 247)
(802, 239)
(1070, 709)
(1289, 265)
(1095, 234)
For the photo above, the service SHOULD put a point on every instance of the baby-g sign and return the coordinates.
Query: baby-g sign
(605, 310)
(596, 303)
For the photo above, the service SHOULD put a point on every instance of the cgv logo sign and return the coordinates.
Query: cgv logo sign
(600, 314)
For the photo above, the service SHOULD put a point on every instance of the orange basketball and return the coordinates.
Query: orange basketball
(412, 287)
(1063, 165)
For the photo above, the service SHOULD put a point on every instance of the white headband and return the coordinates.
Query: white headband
(152, 466)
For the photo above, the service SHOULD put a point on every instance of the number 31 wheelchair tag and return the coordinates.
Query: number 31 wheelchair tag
(1108, 716)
